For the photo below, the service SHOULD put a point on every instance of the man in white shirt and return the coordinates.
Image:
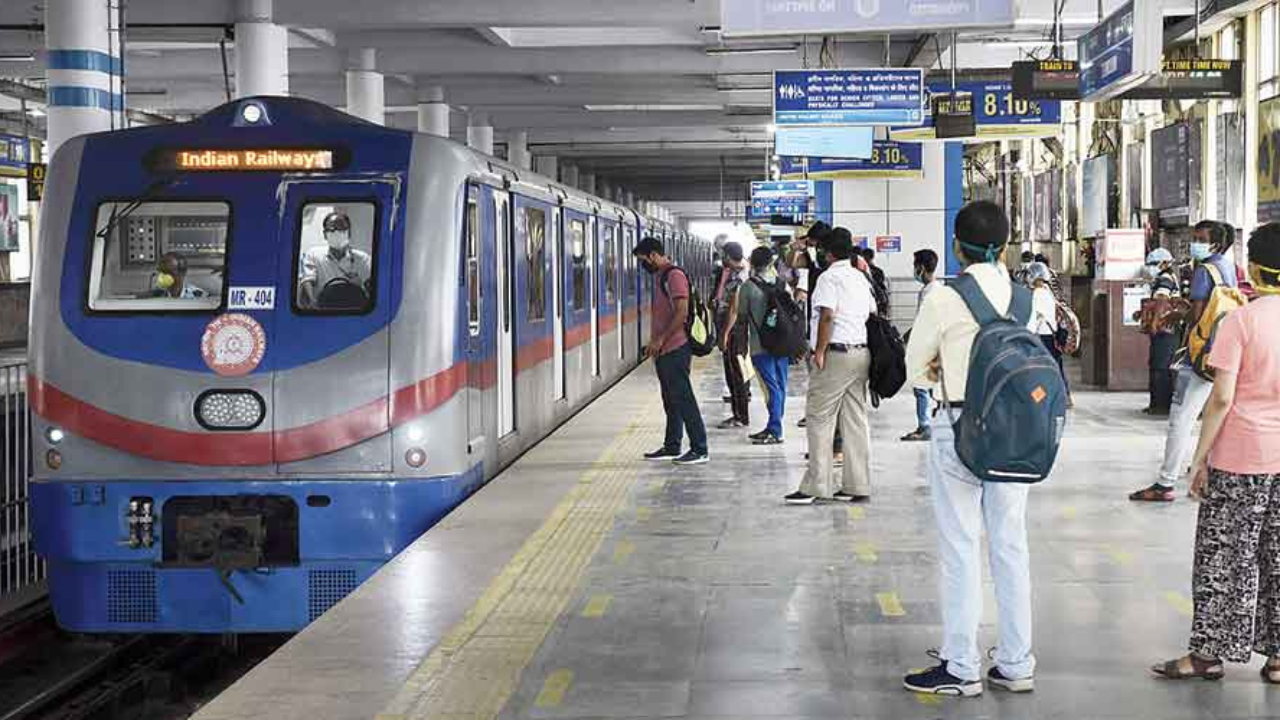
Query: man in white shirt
(334, 261)
(926, 270)
(838, 383)
(941, 341)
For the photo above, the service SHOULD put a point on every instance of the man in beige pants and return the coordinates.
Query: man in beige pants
(838, 382)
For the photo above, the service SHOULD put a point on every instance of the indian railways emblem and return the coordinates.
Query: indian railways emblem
(233, 345)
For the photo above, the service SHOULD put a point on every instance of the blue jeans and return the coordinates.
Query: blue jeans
(922, 408)
(773, 372)
(679, 401)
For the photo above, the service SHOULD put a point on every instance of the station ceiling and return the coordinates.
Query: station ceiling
(645, 94)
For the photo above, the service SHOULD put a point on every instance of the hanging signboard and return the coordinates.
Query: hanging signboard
(888, 159)
(15, 153)
(1046, 80)
(1194, 79)
(1170, 158)
(831, 142)
(35, 181)
(1121, 52)
(832, 17)
(875, 96)
(1269, 161)
(785, 198)
(997, 113)
(9, 212)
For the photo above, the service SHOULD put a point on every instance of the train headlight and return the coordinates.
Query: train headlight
(54, 435)
(230, 409)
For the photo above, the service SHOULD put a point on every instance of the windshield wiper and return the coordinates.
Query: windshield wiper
(118, 214)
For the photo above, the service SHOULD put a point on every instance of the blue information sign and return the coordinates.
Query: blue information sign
(779, 197)
(878, 96)
(997, 112)
(829, 17)
(15, 152)
(833, 142)
(888, 159)
(1106, 52)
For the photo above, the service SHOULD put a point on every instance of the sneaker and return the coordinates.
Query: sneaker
(917, 435)
(804, 421)
(1155, 493)
(767, 439)
(757, 436)
(843, 496)
(663, 454)
(937, 681)
(799, 498)
(1021, 685)
(731, 423)
(692, 457)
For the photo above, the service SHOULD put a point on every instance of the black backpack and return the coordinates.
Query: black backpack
(888, 358)
(783, 331)
(699, 326)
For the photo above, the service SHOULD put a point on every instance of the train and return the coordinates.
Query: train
(272, 346)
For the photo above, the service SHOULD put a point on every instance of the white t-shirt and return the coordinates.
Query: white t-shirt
(319, 265)
(1044, 312)
(847, 293)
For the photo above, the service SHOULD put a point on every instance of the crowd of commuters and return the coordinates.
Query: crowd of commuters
(1235, 471)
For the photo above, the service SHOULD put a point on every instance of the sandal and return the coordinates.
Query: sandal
(1271, 671)
(1203, 669)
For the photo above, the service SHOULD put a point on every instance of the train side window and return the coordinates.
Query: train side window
(335, 251)
(535, 233)
(473, 267)
(578, 246)
(159, 256)
(610, 264)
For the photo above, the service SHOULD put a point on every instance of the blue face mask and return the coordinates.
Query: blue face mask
(1200, 251)
(920, 276)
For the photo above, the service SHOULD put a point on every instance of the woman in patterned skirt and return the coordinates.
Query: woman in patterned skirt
(1236, 476)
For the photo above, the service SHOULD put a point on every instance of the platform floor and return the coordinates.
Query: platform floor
(585, 583)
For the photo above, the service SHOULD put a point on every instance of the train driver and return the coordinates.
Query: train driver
(171, 279)
(334, 263)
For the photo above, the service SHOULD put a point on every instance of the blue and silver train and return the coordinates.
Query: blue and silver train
(272, 346)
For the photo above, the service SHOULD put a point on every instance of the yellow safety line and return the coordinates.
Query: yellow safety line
(597, 606)
(643, 514)
(857, 513)
(1180, 603)
(1118, 556)
(890, 605)
(1069, 512)
(865, 551)
(931, 700)
(623, 550)
(476, 668)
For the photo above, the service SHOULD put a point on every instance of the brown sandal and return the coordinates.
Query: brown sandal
(1271, 671)
(1202, 669)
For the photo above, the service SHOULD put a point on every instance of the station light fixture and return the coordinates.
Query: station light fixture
(758, 50)
(17, 57)
(655, 107)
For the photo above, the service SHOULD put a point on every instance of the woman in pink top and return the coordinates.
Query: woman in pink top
(1236, 474)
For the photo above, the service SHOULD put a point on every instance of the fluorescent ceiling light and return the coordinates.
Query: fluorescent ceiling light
(774, 50)
(35, 112)
(671, 107)
(744, 89)
(1020, 43)
(1076, 21)
(17, 58)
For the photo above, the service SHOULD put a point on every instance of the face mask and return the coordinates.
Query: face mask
(338, 240)
(164, 280)
(920, 277)
(1200, 251)
(1026, 266)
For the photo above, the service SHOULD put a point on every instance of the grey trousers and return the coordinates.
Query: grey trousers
(839, 390)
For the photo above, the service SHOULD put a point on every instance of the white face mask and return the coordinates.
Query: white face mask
(337, 239)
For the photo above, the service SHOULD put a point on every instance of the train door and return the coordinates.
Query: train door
(505, 299)
(474, 231)
(557, 298)
(332, 325)
(616, 263)
(593, 291)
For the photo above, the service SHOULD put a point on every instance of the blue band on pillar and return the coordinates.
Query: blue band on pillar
(84, 60)
(84, 97)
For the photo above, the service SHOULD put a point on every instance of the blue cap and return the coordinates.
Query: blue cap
(1159, 255)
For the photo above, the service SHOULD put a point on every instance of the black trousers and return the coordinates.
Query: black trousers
(739, 390)
(1163, 347)
(679, 402)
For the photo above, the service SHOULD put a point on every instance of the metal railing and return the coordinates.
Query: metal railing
(22, 572)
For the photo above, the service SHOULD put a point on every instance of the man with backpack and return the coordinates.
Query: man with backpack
(1003, 410)
(879, 283)
(838, 382)
(670, 348)
(1213, 295)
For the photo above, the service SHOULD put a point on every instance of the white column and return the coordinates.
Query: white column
(262, 51)
(1252, 116)
(518, 149)
(569, 175)
(631, 201)
(84, 76)
(365, 87)
(480, 133)
(547, 165)
(433, 112)
(588, 181)
(603, 189)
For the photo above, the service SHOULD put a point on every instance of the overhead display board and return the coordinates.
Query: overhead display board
(1196, 79)
(832, 142)
(15, 153)
(1170, 160)
(874, 96)
(1269, 161)
(997, 113)
(888, 159)
(1121, 52)
(953, 116)
(1046, 80)
(740, 18)
(787, 198)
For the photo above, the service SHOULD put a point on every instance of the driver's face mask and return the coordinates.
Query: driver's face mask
(338, 239)
(164, 280)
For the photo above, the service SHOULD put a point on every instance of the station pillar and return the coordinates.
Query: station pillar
(480, 133)
(84, 75)
(365, 88)
(588, 181)
(262, 51)
(433, 112)
(518, 149)
(569, 175)
(548, 165)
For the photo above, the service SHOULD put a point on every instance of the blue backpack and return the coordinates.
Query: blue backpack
(1015, 404)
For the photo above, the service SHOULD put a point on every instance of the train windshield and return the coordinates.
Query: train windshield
(335, 251)
(159, 256)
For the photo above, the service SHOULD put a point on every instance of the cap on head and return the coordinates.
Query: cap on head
(648, 245)
(1159, 256)
(1038, 271)
(337, 220)
(733, 251)
(761, 257)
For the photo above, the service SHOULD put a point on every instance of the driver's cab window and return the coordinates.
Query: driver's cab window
(335, 257)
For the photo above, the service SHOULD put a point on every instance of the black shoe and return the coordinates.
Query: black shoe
(757, 436)
(917, 435)
(692, 457)
(937, 681)
(663, 454)
(767, 439)
(1021, 685)
(799, 498)
(726, 398)
(843, 496)
(804, 422)
(731, 423)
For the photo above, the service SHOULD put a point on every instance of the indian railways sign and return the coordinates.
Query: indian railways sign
(874, 96)
(828, 17)
(257, 159)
